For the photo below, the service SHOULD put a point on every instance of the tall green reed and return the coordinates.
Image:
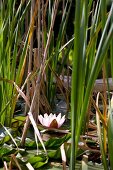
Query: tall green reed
(90, 48)
(11, 54)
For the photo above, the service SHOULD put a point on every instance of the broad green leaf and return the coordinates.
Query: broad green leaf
(56, 142)
(52, 143)
(18, 121)
(4, 140)
(38, 160)
(6, 150)
(54, 154)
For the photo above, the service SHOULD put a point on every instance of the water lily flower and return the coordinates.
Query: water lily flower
(52, 120)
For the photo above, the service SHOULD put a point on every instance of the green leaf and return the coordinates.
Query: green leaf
(5, 139)
(38, 160)
(54, 154)
(6, 150)
(18, 121)
(30, 143)
(52, 143)
(57, 142)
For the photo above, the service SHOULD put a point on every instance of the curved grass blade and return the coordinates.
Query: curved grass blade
(110, 132)
(103, 152)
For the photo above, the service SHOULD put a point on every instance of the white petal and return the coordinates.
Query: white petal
(61, 121)
(46, 122)
(45, 115)
(51, 117)
(58, 118)
(40, 117)
(54, 116)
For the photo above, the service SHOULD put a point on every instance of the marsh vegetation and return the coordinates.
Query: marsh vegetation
(53, 111)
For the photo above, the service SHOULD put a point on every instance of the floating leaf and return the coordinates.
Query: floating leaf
(52, 143)
(4, 139)
(38, 160)
(30, 143)
(57, 142)
(6, 150)
(54, 154)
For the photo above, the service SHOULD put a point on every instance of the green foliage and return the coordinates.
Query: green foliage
(11, 52)
(57, 142)
(52, 143)
(88, 56)
(29, 155)
(38, 161)
(93, 31)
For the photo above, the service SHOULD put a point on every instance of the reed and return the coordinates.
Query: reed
(92, 41)
(12, 41)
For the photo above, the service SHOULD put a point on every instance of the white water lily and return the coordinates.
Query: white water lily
(52, 120)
